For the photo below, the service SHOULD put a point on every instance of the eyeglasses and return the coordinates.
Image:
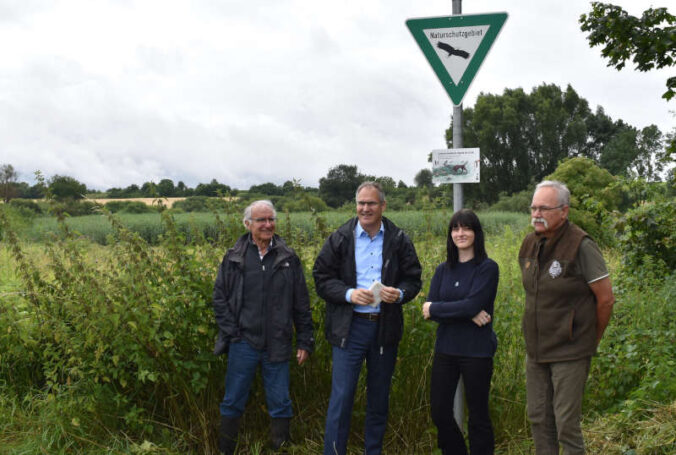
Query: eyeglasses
(543, 209)
(368, 203)
(263, 220)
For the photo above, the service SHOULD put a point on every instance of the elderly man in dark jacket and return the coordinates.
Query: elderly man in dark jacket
(259, 296)
(365, 271)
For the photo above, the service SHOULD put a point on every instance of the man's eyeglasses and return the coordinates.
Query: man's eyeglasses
(263, 220)
(543, 209)
(368, 203)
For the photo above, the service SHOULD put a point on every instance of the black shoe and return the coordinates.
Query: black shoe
(279, 432)
(227, 435)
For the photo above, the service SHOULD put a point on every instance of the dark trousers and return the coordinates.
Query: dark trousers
(347, 364)
(476, 373)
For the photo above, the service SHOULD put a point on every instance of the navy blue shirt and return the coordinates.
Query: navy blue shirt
(457, 295)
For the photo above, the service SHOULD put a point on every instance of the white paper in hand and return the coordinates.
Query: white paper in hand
(376, 287)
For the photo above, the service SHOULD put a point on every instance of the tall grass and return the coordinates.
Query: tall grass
(107, 349)
(149, 226)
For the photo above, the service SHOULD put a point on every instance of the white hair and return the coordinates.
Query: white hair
(562, 191)
(249, 208)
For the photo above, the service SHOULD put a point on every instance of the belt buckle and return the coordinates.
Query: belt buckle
(367, 316)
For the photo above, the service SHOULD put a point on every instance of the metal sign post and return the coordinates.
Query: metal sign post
(455, 47)
(459, 400)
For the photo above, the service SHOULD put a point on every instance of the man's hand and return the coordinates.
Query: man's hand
(482, 318)
(426, 310)
(362, 297)
(389, 294)
(301, 356)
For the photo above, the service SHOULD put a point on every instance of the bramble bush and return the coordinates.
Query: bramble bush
(111, 345)
(647, 235)
(129, 207)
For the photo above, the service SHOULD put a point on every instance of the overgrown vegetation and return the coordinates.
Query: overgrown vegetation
(107, 349)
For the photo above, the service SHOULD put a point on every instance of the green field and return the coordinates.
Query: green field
(150, 227)
(106, 332)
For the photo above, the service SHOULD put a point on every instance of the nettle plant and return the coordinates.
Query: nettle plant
(131, 324)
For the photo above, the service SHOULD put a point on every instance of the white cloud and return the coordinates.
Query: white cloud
(121, 92)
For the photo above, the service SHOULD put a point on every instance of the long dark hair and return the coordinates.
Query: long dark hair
(467, 219)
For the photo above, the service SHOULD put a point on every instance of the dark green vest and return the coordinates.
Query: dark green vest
(559, 322)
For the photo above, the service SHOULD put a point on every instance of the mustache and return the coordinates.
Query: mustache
(539, 220)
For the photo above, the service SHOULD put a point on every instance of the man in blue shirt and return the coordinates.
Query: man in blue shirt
(365, 271)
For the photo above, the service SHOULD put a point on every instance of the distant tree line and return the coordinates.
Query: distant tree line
(523, 137)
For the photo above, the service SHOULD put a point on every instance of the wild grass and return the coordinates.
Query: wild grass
(149, 226)
(106, 349)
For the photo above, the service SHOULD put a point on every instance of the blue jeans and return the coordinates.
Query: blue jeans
(347, 362)
(243, 361)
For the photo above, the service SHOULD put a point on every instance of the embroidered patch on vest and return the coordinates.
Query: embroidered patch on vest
(555, 269)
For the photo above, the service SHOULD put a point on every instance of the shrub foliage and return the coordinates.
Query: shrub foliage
(112, 344)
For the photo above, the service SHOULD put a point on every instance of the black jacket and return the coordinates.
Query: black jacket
(335, 272)
(288, 303)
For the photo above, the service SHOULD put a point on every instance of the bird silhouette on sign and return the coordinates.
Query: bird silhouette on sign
(451, 50)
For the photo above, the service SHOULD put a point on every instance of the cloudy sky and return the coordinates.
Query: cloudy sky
(249, 91)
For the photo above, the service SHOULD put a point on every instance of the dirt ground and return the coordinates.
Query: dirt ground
(168, 201)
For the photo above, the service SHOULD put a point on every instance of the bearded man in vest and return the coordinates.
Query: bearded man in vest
(569, 301)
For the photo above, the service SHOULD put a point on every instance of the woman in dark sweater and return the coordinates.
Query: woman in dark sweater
(461, 298)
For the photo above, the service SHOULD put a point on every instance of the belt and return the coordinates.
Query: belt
(369, 316)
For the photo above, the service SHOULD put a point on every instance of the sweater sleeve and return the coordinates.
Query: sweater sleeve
(480, 297)
(433, 294)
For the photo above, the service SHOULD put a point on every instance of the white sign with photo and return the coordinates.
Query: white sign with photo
(456, 166)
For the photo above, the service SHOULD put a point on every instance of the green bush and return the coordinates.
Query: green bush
(114, 342)
(648, 234)
(73, 207)
(201, 204)
(302, 203)
(517, 202)
(129, 207)
(586, 180)
(592, 196)
(26, 206)
(140, 207)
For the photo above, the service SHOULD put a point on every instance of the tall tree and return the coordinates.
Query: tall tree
(268, 188)
(388, 184)
(635, 153)
(423, 178)
(523, 136)
(650, 41)
(212, 188)
(601, 129)
(620, 151)
(340, 184)
(65, 187)
(649, 164)
(8, 177)
(166, 188)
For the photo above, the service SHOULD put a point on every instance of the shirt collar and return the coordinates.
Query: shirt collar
(359, 231)
(251, 240)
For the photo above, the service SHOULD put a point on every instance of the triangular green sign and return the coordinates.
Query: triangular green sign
(456, 46)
